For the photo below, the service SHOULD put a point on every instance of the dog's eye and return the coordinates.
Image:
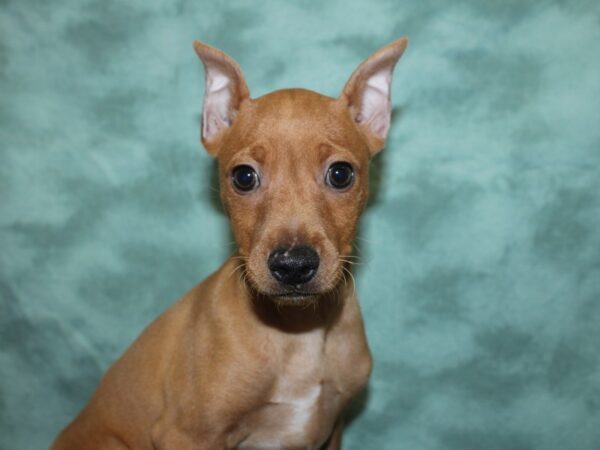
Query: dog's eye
(244, 178)
(340, 175)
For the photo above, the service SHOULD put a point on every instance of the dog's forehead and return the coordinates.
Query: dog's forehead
(292, 101)
(294, 117)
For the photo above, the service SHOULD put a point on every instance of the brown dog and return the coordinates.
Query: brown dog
(267, 352)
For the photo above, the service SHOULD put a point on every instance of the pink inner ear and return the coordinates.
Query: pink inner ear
(375, 108)
(217, 99)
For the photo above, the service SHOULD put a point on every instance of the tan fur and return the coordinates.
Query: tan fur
(231, 365)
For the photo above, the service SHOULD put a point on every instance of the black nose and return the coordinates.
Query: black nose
(294, 266)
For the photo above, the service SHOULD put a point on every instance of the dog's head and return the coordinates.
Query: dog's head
(294, 169)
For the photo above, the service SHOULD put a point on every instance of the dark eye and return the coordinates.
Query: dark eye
(340, 175)
(244, 178)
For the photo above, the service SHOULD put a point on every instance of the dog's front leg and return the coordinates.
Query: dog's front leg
(335, 440)
(170, 436)
(178, 440)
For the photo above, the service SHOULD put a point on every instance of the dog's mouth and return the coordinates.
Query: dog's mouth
(295, 298)
(282, 293)
(295, 295)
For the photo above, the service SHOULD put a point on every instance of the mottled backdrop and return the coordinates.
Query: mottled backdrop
(480, 275)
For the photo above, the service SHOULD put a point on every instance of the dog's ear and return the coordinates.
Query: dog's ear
(225, 90)
(367, 93)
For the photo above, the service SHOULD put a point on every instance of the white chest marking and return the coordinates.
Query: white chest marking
(302, 405)
(292, 415)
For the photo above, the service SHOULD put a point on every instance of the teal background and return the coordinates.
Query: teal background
(480, 249)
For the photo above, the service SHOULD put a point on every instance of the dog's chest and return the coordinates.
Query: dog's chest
(294, 418)
(301, 408)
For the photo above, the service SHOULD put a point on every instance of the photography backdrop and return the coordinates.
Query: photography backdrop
(480, 248)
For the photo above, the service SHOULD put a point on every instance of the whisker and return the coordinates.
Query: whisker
(356, 247)
(238, 257)
(352, 263)
(236, 269)
(353, 280)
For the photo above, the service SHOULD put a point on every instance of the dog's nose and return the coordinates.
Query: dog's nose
(294, 266)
